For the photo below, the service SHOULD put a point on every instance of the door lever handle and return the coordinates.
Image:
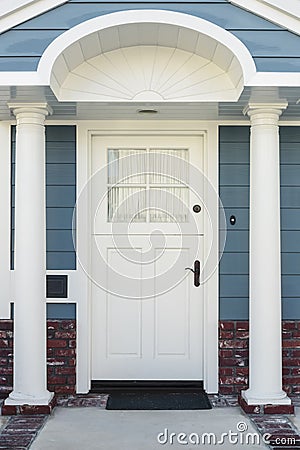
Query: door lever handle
(196, 272)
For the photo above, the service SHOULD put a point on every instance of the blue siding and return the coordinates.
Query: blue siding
(290, 197)
(16, 43)
(60, 196)
(290, 308)
(221, 13)
(234, 175)
(235, 263)
(61, 310)
(61, 260)
(234, 307)
(290, 136)
(272, 47)
(277, 64)
(271, 43)
(290, 175)
(17, 64)
(59, 241)
(234, 193)
(55, 311)
(236, 240)
(290, 220)
(235, 285)
(59, 218)
(55, 173)
(233, 197)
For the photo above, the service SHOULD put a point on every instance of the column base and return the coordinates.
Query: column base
(282, 406)
(14, 406)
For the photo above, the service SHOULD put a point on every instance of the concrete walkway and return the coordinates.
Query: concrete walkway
(94, 428)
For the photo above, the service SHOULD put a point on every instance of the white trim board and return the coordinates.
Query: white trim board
(84, 132)
(283, 13)
(21, 10)
(284, 79)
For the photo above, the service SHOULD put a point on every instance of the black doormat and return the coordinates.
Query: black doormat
(158, 401)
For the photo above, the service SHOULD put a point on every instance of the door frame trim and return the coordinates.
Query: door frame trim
(85, 131)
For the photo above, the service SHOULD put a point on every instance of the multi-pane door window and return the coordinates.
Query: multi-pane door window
(148, 185)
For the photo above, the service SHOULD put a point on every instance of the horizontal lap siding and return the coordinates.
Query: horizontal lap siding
(60, 196)
(272, 47)
(234, 194)
(277, 51)
(290, 220)
(220, 13)
(61, 311)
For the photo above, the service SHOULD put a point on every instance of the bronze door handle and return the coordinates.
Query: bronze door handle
(196, 272)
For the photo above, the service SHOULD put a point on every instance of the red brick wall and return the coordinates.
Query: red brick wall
(6, 356)
(61, 356)
(234, 354)
(291, 356)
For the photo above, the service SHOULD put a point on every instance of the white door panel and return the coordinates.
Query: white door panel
(147, 315)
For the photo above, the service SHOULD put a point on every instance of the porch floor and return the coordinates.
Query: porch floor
(83, 422)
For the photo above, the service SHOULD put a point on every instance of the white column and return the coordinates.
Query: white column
(30, 369)
(265, 364)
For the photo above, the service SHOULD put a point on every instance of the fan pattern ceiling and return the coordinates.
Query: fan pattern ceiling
(120, 65)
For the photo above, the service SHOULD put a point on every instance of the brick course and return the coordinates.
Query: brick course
(6, 355)
(61, 361)
(234, 356)
(61, 356)
(291, 356)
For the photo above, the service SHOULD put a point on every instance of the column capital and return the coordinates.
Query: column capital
(267, 109)
(33, 110)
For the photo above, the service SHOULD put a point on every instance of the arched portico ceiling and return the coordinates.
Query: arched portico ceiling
(147, 56)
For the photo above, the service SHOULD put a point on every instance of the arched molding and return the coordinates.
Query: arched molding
(196, 44)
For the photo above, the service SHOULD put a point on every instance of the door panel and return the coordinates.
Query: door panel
(172, 313)
(147, 315)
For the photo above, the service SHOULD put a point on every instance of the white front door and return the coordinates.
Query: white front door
(147, 229)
